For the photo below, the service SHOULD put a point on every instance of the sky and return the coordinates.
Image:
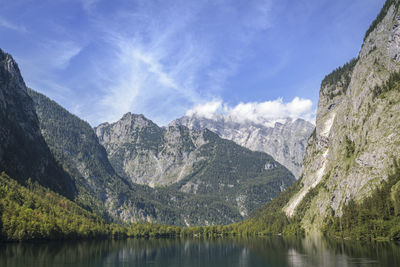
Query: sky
(257, 59)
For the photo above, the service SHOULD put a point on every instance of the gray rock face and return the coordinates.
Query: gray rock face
(147, 154)
(286, 142)
(356, 139)
(23, 152)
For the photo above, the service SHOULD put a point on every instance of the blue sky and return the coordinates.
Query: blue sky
(164, 59)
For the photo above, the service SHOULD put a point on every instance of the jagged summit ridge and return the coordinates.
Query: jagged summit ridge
(192, 161)
(285, 140)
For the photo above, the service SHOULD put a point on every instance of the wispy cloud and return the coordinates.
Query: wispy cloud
(58, 54)
(88, 4)
(267, 112)
(103, 58)
(140, 80)
(11, 26)
(164, 62)
(261, 18)
(41, 68)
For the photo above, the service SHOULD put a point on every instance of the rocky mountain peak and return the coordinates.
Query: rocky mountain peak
(136, 121)
(285, 140)
(128, 129)
(10, 67)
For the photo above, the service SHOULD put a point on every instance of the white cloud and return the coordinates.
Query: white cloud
(155, 68)
(162, 65)
(207, 110)
(151, 71)
(156, 58)
(267, 112)
(137, 78)
(298, 106)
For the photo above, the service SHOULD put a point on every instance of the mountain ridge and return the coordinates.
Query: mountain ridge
(285, 140)
(75, 145)
(196, 162)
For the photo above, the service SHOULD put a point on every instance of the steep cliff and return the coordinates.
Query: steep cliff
(23, 152)
(350, 184)
(355, 147)
(285, 141)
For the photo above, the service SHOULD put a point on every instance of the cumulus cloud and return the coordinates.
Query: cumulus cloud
(208, 109)
(267, 112)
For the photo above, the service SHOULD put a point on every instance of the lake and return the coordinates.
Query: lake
(269, 251)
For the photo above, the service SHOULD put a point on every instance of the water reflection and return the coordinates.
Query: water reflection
(315, 251)
(274, 251)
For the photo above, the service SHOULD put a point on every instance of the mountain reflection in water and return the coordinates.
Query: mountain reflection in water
(269, 251)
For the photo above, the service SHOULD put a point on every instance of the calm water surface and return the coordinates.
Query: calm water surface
(274, 251)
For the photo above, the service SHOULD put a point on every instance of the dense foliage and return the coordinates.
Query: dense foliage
(34, 212)
(232, 170)
(342, 75)
(350, 147)
(376, 217)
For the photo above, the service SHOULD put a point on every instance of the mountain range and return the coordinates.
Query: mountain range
(185, 174)
(285, 140)
(131, 170)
